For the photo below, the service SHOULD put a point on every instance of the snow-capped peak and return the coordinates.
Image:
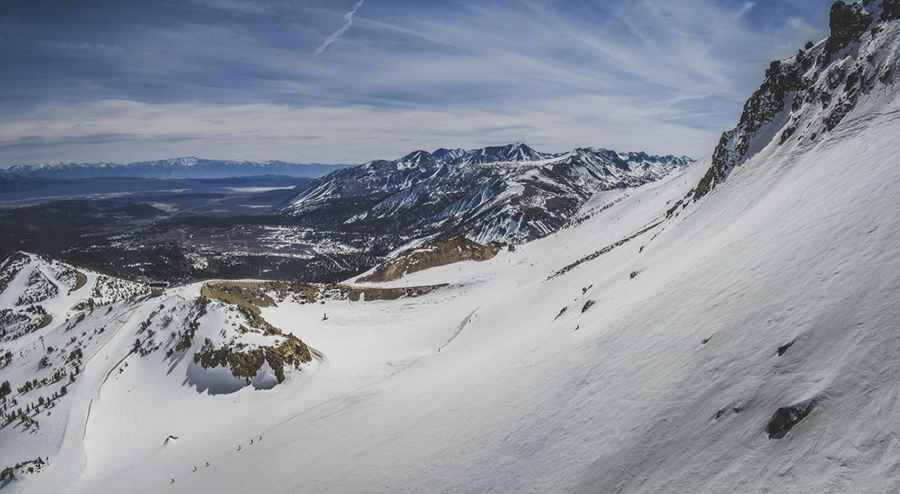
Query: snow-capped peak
(415, 159)
(509, 193)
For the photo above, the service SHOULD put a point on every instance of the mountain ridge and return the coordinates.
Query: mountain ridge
(806, 96)
(181, 167)
(509, 194)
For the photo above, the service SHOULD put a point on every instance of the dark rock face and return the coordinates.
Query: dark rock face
(847, 22)
(810, 94)
(785, 418)
(890, 10)
(762, 107)
(784, 348)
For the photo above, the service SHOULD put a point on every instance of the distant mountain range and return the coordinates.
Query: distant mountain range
(323, 228)
(187, 167)
(509, 193)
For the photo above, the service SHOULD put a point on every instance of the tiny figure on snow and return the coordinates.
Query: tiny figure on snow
(324, 316)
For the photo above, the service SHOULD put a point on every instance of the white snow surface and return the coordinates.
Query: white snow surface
(476, 387)
(664, 384)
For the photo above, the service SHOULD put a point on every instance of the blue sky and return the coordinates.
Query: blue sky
(349, 81)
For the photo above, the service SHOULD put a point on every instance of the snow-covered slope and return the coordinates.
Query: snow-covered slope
(507, 194)
(747, 343)
(66, 334)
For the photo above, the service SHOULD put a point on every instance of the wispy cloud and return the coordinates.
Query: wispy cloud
(348, 21)
(243, 81)
(745, 9)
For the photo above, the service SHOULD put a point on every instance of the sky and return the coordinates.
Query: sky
(348, 81)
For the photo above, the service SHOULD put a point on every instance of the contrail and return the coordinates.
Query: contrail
(348, 21)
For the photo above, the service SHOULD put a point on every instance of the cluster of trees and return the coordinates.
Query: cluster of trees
(108, 290)
(58, 375)
(186, 339)
(39, 289)
(21, 320)
(28, 386)
(147, 322)
(10, 319)
(146, 347)
(23, 416)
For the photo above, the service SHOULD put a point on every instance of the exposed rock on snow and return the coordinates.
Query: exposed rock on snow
(438, 252)
(247, 363)
(785, 418)
(784, 348)
(246, 344)
(847, 23)
(808, 95)
(604, 250)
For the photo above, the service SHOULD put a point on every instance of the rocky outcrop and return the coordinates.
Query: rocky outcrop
(434, 253)
(246, 297)
(761, 109)
(890, 10)
(602, 251)
(847, 22)
(356, 294)
(785, 418)
(808, 95)
(246, 363)
(246, 343)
